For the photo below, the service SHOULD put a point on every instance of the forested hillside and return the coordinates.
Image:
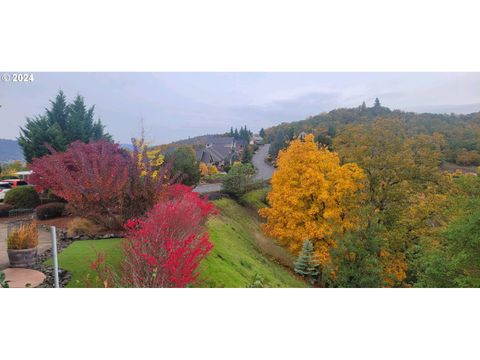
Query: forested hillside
(459, 134)
(365, 190)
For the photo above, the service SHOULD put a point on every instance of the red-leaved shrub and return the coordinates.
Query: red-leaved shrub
(101, 181)
(50, 210)
(164, 248)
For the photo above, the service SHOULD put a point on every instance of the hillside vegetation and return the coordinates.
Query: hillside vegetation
(236, 261)
(460, 132)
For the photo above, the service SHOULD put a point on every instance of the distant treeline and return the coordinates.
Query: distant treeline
(461, 133)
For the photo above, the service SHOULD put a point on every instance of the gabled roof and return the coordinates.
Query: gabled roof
(219, 140)
(213, 154)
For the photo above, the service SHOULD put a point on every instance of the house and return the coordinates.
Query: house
(256, 139)
(302, 135)
(220, 150)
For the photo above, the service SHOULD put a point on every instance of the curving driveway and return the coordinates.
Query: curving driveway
(264, 170)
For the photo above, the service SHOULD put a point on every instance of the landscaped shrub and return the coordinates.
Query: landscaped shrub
(164, 248)
(102, 181)
(185, 164)
(213, 179)
(239, 180)
(50, 210)
(22, 197)
(81, 227)
(22, 237)
(55, 198)
(4, 209)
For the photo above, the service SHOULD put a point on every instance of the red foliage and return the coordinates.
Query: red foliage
(165, 248)
(100, 181)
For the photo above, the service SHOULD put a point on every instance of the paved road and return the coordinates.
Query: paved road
(264, 171)
(208, 188)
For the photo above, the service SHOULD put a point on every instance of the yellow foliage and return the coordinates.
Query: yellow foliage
(394, 266)
(203, 169)
(313, 197)
(154, 157)
(212, 170)
(24, 236)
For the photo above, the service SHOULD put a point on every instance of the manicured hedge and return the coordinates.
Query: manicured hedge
(22, 197)
(50, 210)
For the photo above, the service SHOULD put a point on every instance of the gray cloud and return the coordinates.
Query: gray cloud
(177, 105)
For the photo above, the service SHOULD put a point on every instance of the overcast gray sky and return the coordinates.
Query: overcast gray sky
(174, 106)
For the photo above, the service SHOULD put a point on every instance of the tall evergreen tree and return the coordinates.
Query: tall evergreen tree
(262, 132)
(377, 103)
(61, 125)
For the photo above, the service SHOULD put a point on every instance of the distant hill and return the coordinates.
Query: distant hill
(10, 151)
(461, 132)
(197, 142)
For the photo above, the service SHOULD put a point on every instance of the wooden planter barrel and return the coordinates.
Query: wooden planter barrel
(22, 258)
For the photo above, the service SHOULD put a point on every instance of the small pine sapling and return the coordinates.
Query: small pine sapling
(306, 264)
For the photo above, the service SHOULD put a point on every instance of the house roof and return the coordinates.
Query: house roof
(219, 140)
(213, 153)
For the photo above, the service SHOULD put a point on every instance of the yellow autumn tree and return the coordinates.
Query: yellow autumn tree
(203, 169)
(313, 197)
(154, 156)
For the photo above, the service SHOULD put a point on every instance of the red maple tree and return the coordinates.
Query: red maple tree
(101, 181)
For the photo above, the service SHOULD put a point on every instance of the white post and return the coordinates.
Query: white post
(54, 255)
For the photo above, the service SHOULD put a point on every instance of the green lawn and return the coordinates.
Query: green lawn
(234, 261)
(78, 257)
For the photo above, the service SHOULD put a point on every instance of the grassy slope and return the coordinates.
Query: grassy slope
(256, 199)
(233, 262)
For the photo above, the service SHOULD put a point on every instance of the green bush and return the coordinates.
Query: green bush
(239, 180)
(22, 197)
(185, 164)
(215, 178)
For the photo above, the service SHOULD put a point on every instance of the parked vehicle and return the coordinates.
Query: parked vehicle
(16, 182)
(4, 188)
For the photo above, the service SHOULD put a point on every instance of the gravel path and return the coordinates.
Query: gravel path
(208, 188)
